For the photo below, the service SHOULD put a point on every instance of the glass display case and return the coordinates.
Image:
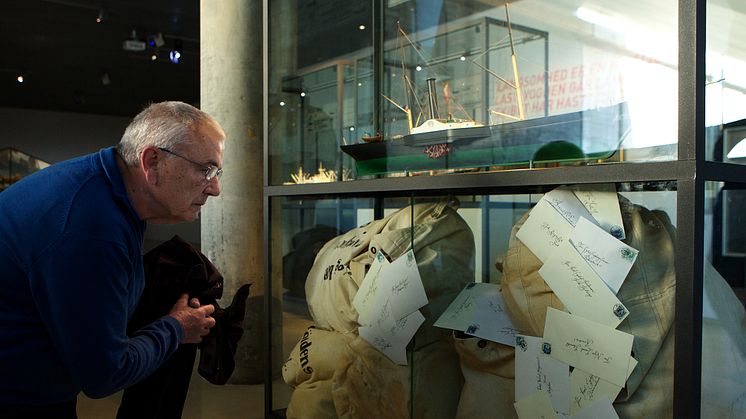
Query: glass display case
(504, 209)
(15, 164)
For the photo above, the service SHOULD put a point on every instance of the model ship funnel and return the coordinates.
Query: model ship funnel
(432, 98)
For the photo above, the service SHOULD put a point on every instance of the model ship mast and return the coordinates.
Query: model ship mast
(434, 122)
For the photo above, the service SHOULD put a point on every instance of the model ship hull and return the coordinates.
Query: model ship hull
(514, 143)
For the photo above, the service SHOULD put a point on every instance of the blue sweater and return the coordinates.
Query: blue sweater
(71, 274)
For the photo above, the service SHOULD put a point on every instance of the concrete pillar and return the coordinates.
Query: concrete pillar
(231, 224)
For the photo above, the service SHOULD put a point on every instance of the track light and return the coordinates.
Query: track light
(175, 54)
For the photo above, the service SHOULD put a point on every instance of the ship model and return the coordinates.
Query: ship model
(443, 143)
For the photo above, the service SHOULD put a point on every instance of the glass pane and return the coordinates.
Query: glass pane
(724, 295)
(320, 71)
(725, 88)
(15, 164)
(471, 85)
(417, 308)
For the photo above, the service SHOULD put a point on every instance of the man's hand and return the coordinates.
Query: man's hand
(195, 320)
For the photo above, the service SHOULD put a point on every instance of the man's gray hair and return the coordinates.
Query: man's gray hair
(164, 124)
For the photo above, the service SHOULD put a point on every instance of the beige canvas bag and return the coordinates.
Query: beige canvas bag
(648, 293)
(443, 246)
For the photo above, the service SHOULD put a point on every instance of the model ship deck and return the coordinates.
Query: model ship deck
(513, 143)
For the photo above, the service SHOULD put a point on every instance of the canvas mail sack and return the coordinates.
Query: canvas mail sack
(443, 245)
(363, 378)
(648, 292)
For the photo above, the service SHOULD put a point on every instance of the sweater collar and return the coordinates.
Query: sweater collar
(108, 158)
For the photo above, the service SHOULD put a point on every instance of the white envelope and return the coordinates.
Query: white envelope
(580, 289)
(537, 405)
(607, 256)
(567, 204)
(366, 294)
(392, 339)
(602, 202)
(587, 388)
(544, 230)
(590, 346)
(479, 311)
(537, 371)
(398, 287)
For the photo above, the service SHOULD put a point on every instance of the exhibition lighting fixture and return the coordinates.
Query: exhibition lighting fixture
(175, 54)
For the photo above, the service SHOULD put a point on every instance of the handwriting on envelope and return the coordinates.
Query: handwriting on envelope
(392, 338)
(479, 310)
(544, 230)
(603, 204)
(567, 204)
(537, 371)
(595, 348)
(369, 286)
(537, 405)
(580, 288)
(397, 286)
(607, 256)
(586, 388)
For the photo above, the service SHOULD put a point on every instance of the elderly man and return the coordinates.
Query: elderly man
(71, 269)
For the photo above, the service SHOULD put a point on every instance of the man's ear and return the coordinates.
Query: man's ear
(149, 159)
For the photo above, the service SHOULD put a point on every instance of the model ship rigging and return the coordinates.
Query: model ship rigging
(439, 142)
(435, 123)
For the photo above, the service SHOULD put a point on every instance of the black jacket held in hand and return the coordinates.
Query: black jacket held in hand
(172, 269)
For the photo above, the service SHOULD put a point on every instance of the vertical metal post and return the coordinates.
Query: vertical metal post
(266, 219)
(690, 211)
(378, 55)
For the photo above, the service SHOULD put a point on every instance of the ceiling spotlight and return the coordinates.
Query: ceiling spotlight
(20, 78)
(361, 27)
(153, 56)
(302, 94)
(418, 68)
(175, 54)
(100, 17)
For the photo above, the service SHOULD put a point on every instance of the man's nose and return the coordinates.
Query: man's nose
(213, 187)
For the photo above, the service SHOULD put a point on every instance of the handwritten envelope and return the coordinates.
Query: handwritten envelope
(369, 286)
(544, 230)
(537, 371)
(580, 288)
(479, 310)
(398, 286)
(603, 204)
(607, 256)
(392, 339)
(595, 348)
(586, 388)
(567, 204)
(601, 409)
(405, 285)
(535, 406)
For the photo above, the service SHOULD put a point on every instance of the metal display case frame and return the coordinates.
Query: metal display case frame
(690, 171)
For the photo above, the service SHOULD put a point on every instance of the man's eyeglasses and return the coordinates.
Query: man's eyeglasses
(209, 170)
